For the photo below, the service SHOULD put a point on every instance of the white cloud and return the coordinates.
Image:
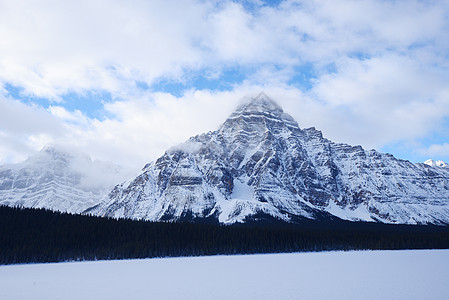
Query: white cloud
(380, 69)
(137, 131)
(63, 114)
(51, 48)
(436, 150)
(23, 129)
(143, 128)
(386, 98)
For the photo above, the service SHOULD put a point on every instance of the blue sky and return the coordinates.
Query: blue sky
(123, 81)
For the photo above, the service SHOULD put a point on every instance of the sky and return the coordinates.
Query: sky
(123, 81)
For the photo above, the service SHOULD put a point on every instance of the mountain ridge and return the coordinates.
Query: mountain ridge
(436, 163)
(59, 179)
(260, 162)
(258, 165)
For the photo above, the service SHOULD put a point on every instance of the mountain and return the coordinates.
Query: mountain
(57, 179)
(438, 163)
(260, 164)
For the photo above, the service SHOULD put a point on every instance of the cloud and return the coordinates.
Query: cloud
(436, 150)
(137, 130)
(23, 129)
(141, 129)
(50, 49)
(364, 72)
(385, 98)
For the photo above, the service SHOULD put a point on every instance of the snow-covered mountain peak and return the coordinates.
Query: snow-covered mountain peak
(259, 104)
(437, 163)
(57, 156)
(259, 164)
(257, 117)
(58, 178)
(263, 103)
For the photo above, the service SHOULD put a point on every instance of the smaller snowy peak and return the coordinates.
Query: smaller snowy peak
(437, 163)
(58, 178)
(56, 155)
(52, 152)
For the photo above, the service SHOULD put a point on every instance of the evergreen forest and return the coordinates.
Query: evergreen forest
(38, 235)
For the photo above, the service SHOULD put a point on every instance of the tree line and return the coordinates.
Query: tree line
(38, 235)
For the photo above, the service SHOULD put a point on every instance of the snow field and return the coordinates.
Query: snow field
(417, 274)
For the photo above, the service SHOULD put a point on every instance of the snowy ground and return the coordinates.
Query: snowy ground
(329, 275)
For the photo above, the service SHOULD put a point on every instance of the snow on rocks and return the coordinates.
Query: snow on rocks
(260, 162)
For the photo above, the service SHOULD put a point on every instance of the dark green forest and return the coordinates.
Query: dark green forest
(37, 235)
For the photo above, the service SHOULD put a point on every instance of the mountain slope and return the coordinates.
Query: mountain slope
(57, 179)
(260, 163)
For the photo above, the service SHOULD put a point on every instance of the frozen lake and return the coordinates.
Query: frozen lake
(417, 274)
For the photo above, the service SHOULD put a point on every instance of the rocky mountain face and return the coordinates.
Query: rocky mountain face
(57, 179)
(260, 163)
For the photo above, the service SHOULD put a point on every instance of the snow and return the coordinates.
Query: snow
(360, 213)
(438, 163)
(60, 179)
(416, 274)
(241, 203)
(242, 190)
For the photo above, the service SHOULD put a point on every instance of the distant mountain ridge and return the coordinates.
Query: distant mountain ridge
(58, 179)
(437, 163)
(260, 163)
